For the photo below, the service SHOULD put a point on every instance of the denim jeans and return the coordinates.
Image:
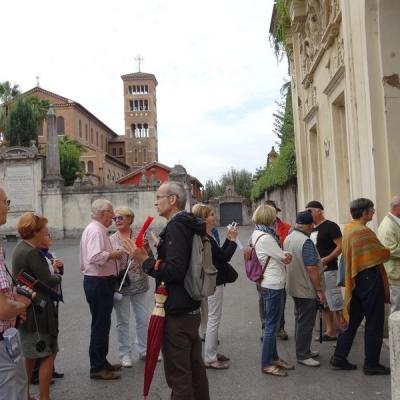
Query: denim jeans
(273, 306)
(261, 310)
(99, 294)
(140, 307)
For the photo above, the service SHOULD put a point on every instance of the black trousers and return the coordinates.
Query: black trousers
(183, 365)
(367, 301)
(100, 297)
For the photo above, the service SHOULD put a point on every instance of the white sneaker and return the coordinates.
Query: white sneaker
(309, 362)
(142, 357)
(126, 361)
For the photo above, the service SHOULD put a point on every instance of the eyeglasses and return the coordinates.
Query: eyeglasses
(118, 218)
(158, 197)
(7, 202)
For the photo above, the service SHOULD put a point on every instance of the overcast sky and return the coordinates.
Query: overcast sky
(218, 78)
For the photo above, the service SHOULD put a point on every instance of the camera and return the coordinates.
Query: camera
(37, 302)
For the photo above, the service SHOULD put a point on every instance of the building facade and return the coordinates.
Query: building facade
(80, 124)
(154, 174)
(140, 115)
(344, 60)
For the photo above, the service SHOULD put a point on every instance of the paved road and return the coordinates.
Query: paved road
(239, 336)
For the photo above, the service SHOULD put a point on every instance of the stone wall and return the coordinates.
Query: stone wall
(285, 199)
(76, 204)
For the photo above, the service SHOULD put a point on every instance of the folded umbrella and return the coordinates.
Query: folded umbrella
(155, 335)
(139, 242)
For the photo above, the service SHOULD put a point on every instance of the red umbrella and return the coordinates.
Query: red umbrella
(140, 236)
(155, 335)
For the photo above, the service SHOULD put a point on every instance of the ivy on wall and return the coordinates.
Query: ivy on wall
(279, 28)
(282, 171)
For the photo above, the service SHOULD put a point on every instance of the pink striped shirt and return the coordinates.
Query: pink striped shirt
(95, 249)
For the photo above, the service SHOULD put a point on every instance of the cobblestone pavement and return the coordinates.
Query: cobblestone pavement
(240, 339)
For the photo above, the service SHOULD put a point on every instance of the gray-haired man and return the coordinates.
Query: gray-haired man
(97, 262)
(305, 283)
(389, 235)
(184, 368)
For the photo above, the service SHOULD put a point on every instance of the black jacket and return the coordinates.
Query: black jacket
(221, 256)
(174, 250)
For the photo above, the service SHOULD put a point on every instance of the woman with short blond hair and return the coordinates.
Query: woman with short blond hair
(266, 245)
(134, 293)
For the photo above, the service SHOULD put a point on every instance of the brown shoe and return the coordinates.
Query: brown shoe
(114, 367)
(104, 374)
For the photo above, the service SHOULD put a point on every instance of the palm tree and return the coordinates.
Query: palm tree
(8, 93)
(39, 109)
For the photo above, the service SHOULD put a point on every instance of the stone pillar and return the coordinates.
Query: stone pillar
(53, 182)
(394, 343)
(52, 155)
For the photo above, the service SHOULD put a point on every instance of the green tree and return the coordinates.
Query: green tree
(20, 117)
(8, 92)
(70, 153)
(20, 124)
(240, 179)
(211, 189)
(283, 170)
(39, 109)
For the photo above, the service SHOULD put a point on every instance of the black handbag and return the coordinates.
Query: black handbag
(228, 274)
(120, 276)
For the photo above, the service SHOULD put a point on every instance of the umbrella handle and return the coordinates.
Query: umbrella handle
(124, 277)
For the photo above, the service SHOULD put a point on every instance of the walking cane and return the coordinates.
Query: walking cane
(320, 307)
(117, 293)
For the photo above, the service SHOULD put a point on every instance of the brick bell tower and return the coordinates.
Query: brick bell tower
(140, 114)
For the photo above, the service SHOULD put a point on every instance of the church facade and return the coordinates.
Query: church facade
(344, 61)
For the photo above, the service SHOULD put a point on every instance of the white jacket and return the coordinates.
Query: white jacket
(275, 273)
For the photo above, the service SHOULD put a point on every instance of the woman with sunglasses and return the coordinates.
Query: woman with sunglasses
(39, 333)
(134, 293)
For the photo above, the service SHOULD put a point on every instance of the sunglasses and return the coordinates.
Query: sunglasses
(118, 218)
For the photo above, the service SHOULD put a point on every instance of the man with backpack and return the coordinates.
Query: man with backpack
(183, 364)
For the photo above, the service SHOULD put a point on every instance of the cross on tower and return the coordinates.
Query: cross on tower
(37, 80)
(139, 58)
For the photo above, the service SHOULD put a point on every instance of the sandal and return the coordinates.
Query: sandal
(282, 364)
(273, 370)
(221, 357)
(216, 365)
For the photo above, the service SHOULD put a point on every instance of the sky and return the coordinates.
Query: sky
(218, 78)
